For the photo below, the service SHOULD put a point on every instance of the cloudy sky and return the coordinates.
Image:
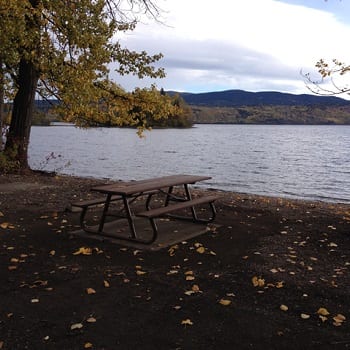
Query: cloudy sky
(254, 45)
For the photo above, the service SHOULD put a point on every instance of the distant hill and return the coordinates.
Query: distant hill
(239, 98)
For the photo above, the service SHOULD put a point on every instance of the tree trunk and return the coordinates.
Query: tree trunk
(22, 114)
(2, 105)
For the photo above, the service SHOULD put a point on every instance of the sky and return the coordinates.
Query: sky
(253, 45)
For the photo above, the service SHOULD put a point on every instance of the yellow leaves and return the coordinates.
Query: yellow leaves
(6, 225)
(338, 320)
(189, 276)
(139, 271)
(258, 281)
(172, 249)
(83, 251)
(187, 322)
(87, 251)
(195, 289)
(90, 291)
(200, 250)
(224, 302)
(284, 307)
(323, 311)
(76, 326)
(106, 284)
(91, 320)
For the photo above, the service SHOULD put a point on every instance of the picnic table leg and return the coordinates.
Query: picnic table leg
(104, 213)
(129, 218)
(189, 197)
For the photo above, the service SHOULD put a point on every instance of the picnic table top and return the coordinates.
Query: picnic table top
(132, 187)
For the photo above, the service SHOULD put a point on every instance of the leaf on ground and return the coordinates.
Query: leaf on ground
(284, 307)
(195, 289)
(91, 320)
(12, 267)
(323, 318)
(279, 284)
(338, 320)
(187, 322)
(200, 250)
(305, 316)
(258, 281)
(88, 345)
(106, 284)
(52, 252)
(83, 251)
(90, 291)
(140, 272)
(1, 214)
(323, 311)
(4, 225)
(225, 302)
(172, 249)
(190, 278)
(76, 326)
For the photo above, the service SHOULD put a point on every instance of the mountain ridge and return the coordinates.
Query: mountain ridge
(238, 98)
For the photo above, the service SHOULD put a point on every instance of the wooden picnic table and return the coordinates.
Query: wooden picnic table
(128, 192)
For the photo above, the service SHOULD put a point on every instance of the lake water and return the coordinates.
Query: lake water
(308, 162)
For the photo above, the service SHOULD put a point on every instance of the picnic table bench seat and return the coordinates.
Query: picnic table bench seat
(158, 212)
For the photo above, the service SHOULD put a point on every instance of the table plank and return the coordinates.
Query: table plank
(131, 188)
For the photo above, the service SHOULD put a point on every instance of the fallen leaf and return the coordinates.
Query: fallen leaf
(87, 346)
(284, 307)
(323, 318)
(305, 316)
(52, 252)
(83, 251)
(90, 291)
(76, 326)
(187, 322)
(106, 284)
(279, 284)
(190, 278)
(4, 225)
(323, 311)
(258, 281)
(91, 320)
(339, 318)
(200, 250)
(140, 273)
(12, 267)
(225, 302)
(1, 214)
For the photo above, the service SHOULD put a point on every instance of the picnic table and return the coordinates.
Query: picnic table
(126, 193)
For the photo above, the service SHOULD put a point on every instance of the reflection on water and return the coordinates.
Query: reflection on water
(310, 162)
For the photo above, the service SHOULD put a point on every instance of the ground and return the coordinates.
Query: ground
(274, 274)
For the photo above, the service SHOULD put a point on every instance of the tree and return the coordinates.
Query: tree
(62, 49)
(330, 73)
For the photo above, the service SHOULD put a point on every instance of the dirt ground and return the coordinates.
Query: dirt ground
(273, 275)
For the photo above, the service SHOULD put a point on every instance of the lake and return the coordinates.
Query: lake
(306, 162)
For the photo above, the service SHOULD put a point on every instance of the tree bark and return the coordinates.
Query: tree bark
(22, 114)
(2, 105)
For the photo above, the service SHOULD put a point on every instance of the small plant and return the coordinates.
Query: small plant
(48, 160)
